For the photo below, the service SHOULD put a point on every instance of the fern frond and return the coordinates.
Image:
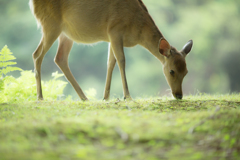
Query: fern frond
(6, 54)
(6, 63)
(10, 69)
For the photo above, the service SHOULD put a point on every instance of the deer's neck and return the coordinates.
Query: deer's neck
(151, 37)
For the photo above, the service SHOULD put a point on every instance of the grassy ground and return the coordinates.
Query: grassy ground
(198, 127)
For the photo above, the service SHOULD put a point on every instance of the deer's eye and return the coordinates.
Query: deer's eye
(172, 72)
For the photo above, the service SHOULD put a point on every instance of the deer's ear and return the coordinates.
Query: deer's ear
(164, 47)
(187, 47)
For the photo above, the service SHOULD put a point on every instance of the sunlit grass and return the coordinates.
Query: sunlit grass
(198, 127)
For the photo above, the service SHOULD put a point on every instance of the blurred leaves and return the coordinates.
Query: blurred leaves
(23, 88)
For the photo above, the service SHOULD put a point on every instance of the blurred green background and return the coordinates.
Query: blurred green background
(213, 63)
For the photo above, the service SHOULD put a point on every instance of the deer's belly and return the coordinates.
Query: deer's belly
(83, 33)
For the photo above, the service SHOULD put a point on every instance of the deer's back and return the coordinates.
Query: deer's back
(89, 21)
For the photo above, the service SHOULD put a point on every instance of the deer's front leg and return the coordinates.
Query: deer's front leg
(110, 66)
(117, 47)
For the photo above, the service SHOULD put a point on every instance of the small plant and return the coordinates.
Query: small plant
(6, 63)
(91, 93)
(23, 88)
(6, 66)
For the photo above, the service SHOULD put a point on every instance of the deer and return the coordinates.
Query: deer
(121, 23)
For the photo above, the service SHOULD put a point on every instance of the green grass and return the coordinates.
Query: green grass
(198, 127)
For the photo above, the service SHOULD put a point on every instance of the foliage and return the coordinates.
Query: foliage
(198, 127)
(6, 63)
(23, 88)
(6, 66)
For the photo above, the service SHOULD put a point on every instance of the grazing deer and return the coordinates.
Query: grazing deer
(122, 23)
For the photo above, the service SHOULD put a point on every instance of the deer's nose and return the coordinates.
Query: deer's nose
(179, 96)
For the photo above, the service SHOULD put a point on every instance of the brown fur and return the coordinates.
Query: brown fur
(180, 65)
(122, 23)
(143, 5)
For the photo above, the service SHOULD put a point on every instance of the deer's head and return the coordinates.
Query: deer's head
(174, 67)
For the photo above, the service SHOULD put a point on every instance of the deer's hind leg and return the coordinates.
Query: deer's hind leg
(61, 59)
(50, 34)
